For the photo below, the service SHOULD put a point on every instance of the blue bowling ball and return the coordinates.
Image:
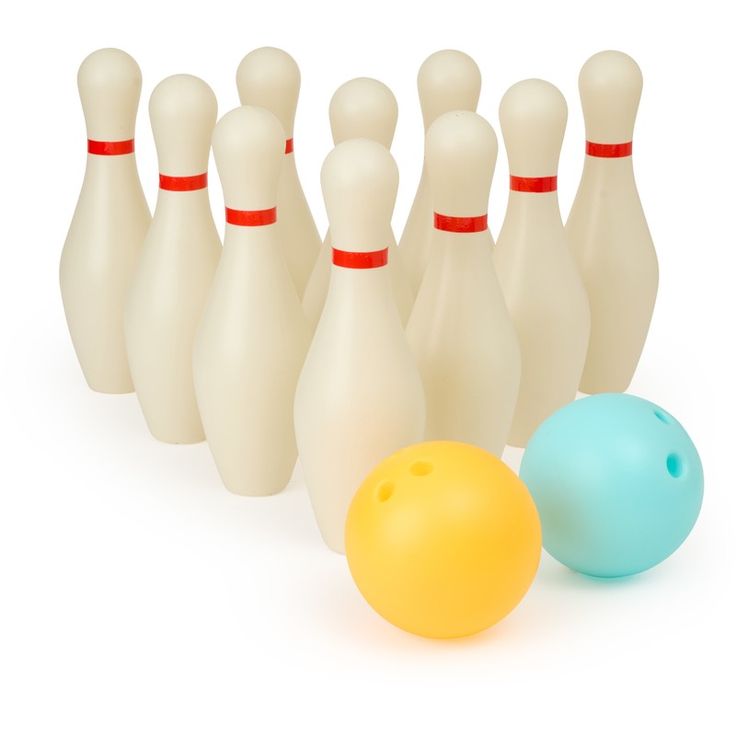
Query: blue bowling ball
(617, 481)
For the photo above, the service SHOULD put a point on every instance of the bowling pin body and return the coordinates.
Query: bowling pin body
(607, 230)
(270, 78)
(460, 330)
(447, 80)
(539, 277)
(360, 395)
(110, 221)
(360, 108)
(253, 336)
(177, 264)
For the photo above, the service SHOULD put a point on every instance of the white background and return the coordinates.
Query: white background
(138, 597)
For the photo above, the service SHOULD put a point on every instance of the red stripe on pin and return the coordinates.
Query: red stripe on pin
(250, 218)
(608, 150)
(182, 183)
(349, 259)
(289, 147)
(110, 148)
(533, 183)
(460, 224)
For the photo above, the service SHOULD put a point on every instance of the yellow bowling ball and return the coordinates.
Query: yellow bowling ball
(443, 539)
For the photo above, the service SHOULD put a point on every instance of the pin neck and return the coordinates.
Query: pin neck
(250, 218)
(608, 150)
(289, 146)
(364, 260)
(451, 224)
(182, 183)
(110, 148)
(536, 184)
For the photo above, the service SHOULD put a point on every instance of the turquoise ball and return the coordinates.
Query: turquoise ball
(617, 481)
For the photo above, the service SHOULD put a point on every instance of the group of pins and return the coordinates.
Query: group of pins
(344, 350)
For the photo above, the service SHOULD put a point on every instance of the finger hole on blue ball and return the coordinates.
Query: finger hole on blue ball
(675, 465)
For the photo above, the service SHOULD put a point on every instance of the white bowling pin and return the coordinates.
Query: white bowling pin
(360, 395)
(460, 330)
(360, 108)
(607, 229)
(179, 257)
(253, 336)
(543, 289)
(448, 80)
(105, 237)
(270, 78)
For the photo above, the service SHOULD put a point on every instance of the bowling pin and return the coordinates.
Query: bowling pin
(360, 108)
(607, 229)
(110, 221)
(360, 395)
(270, 78)
(460, 330)
(540, 280)
(448, 80)
(253, 336)
(179, 257)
